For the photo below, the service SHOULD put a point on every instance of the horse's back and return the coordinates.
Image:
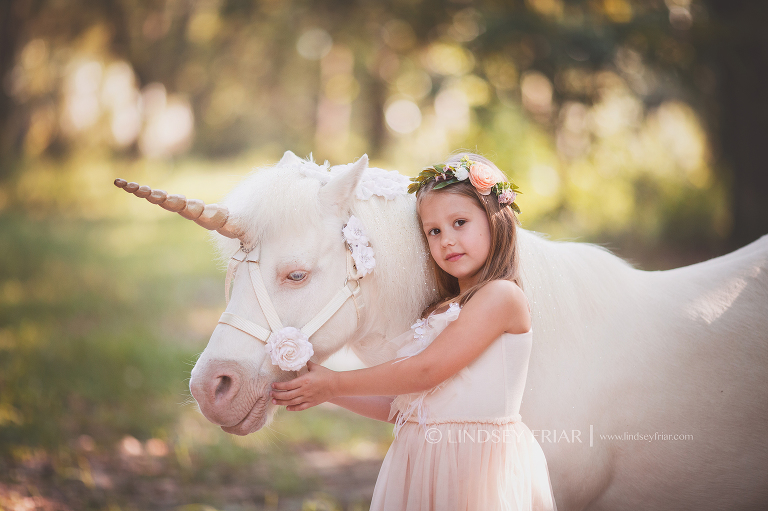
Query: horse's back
(676, 352)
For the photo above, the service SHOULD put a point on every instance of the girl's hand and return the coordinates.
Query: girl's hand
(305, 391)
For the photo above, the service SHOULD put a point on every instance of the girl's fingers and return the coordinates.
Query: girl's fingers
(281, 401)
(287, 385)
(286, 395)
(286, 402)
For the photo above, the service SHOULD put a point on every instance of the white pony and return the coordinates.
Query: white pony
(646, 390)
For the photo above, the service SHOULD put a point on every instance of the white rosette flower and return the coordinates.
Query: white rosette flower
(362, 253)
(289, 348)
(461, 173)
(354, 232)
(364, 260)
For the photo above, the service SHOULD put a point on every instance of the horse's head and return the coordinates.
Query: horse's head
(290, 268)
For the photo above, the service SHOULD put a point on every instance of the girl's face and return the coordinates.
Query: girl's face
(458, 234)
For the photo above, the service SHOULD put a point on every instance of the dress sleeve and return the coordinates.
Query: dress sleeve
(424, 331)
(397, 344)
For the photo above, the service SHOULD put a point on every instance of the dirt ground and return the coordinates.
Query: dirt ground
(329, 480)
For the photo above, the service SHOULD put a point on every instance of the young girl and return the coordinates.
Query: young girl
(460, 372)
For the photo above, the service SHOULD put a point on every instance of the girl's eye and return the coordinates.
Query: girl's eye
(434, 232)
(297, 276)
(460, 222)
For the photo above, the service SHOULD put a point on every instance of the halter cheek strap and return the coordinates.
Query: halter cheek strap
(262, 334)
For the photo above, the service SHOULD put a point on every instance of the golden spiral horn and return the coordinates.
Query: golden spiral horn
(214, 217)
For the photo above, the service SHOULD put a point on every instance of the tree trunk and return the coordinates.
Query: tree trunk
(742, 61)
(9, 28)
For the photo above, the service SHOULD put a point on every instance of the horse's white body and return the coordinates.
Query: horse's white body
(616, 350)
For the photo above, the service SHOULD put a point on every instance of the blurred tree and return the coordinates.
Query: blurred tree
(740, 50)
(713, 55)
(340, 78)
(10, 24)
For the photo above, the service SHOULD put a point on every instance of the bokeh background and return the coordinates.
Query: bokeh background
(637, 124)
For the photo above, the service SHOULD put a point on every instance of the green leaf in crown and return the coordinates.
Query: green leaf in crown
(445, 183)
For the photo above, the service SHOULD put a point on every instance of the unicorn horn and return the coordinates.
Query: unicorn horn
(214, 217)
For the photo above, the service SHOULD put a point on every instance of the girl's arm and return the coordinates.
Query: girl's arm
(373, 407)
(497, 307)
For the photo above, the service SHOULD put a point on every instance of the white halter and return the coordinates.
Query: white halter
(261, 333)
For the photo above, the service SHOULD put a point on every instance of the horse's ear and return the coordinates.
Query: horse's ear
(339, 193)
(289, 158)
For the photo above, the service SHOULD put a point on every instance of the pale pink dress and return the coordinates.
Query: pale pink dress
(462, 445)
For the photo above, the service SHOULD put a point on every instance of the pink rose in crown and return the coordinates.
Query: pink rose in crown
(482, 177)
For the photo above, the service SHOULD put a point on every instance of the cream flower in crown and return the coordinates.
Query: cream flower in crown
(461, 173)
(289, 348)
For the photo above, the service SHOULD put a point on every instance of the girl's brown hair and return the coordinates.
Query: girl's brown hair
(503, 261)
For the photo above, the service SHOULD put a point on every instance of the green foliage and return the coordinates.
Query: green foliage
(567, 97)
(79, 355)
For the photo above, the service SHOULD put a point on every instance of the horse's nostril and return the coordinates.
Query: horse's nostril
(222, 389)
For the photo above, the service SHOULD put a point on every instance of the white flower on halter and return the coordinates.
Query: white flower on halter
(289, 348)
(354, 231)
(364, 260)
(362, 253)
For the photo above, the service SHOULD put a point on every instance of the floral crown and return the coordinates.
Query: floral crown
(483, 178)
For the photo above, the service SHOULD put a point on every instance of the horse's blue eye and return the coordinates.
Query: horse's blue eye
(297, 276)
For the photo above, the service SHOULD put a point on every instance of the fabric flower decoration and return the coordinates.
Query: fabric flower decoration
(354, 232)
(418, 329)
(385, 183)
(362, 253)
(453, 308)
(422, 331)
(461, 173)
(289, 348)
(482, 177)
(364, 260)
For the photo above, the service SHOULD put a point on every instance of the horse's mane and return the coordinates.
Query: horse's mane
(564, 283)
(269, 200)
